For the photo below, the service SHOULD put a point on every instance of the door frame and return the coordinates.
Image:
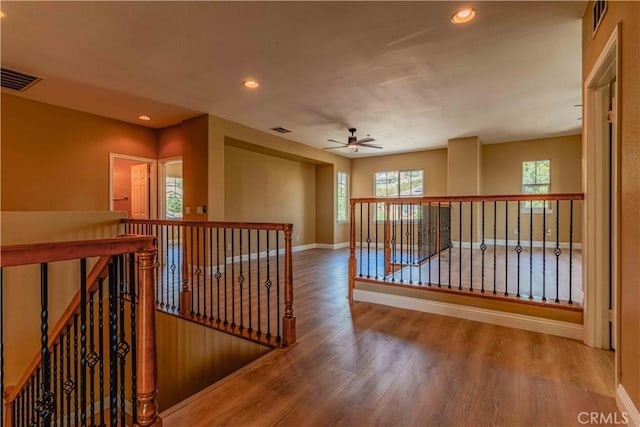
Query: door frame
(161, 187)
(153, 181)
(596, 272)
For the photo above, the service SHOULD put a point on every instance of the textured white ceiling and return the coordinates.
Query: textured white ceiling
(400, 72)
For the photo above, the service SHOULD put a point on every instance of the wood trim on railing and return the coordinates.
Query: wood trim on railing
(99, 271)
(36, 253)
(451, 199)
(211, 224)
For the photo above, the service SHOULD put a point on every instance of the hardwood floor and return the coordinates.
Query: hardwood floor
(367, 364)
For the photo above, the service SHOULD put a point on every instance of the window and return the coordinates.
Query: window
(536, 179)
(399, 184)
(173, 189)
(342, 198)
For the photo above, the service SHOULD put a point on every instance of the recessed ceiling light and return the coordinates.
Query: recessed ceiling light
(2, 14)
(145, 118)
(463, 15)
(251, 84)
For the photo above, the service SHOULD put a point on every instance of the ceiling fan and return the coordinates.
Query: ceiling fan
(353, 142)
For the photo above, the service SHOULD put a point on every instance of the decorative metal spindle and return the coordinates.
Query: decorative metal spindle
(224, 231)
(199, 270)
(393, 237)
(449, 247)
(429, 243)
(83, 341)
(123, 346)
(278, 338)
(360, 241)
(171, 263)
(233, 281)
(241, 281)
(211, 274)
(460, 248)
(204, 273)
(30, 419)
(250, 329)
(495, 243)
(506, 247)
(531, 250)
(375, 217)
(368, 242)
(544, 250)
(218, 275)
(258, 282)
(92, 359)
(101, 349)
(158, 288)
(440, 229)
(557, 251)
(134, 331)
(570, 251)
(75, 368)
(267, 285)
(192, 269)
(61, 381)
(54, 381)
(401, 260)
(113, 344)
(483, 248)
(471, 246)
(180, 265)
(518, 251)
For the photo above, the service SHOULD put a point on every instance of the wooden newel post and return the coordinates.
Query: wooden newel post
(289, 320)
(8, 407)
(352, 250)
(146, 344)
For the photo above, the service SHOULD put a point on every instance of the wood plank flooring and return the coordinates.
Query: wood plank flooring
(367, 364)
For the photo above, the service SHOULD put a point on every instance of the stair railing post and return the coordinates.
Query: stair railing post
(146, 381)
(289, 320)
(352, 250)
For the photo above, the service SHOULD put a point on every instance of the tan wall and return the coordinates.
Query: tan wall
(628, 15)
(502, 174)
(170, 142)
(263, 188)
(21, 318)
(325, 198)
(54, 158)
(195, 166)
(433, 162)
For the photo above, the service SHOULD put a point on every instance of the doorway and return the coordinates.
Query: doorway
(602, 198)
(133, 186)
(171, 195)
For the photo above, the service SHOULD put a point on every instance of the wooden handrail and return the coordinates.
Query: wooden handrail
(211, 224)
(36, 253)
(99, 271)
(451, 199)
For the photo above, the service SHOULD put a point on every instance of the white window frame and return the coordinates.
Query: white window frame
(526, 206)
(380, 217)
(346, 197)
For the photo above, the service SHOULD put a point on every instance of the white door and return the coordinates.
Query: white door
(140, 191)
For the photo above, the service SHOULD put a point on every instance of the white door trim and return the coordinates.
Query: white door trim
(153, 187)
(596, 273)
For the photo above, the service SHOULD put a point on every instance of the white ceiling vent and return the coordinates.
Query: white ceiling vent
(280, 129)
(17, 81)
(599, 9)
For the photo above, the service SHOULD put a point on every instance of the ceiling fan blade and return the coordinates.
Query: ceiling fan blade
(367, 139)
(370, 146)
(333, 148)
(337, 142)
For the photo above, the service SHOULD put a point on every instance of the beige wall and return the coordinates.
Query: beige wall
(170, 142)
(195, 166)
(54, 158)
(325, 197)
(264, 188)
(21, 318)
(627, 14)
(433, 162)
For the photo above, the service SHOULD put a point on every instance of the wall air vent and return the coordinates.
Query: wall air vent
(280, 129)
(17, 81)
(599, 9)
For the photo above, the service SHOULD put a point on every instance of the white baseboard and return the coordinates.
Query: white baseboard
(626, 406)
(512, 320)
(331, 246)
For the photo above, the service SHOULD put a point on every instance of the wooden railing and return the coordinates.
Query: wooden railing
(234, 277)
(518, 247)
(59, 385)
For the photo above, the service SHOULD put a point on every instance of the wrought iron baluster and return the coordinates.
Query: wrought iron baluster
(250, 329)
(375, 218)
(258, 283)
(471, 239)
(83, 341)
(506, 248)
(218, 274)
(224, 231)
(54, 382)
(460, 248)
(518, 251)
(570, 251)
(192, 269)
(544, 250)
(211, 274)
(123, 346)
(134, 349)
(267, 285)
(101, 349)
(368, 242)
(198, 272)
(75, 368)
(439, 244)
(204, 273)
(557, 251)
(359, 241)
(278, 338)
(241, 282)
(113, 344)
(531, 250)
(483, 248)
(92, 359)
(495, 243)
(233, 280)
(401, 259)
